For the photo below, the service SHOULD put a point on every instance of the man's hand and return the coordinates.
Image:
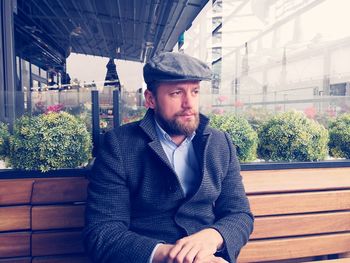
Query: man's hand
(162, 253)
(213, 259)
(197, 248)
(163, 250)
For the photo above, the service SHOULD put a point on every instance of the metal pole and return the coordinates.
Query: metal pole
(95, 112)
(9, 59)
(116, 108)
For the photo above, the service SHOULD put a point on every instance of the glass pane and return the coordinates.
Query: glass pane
(269, 57)
(35, 69)
(43, 73)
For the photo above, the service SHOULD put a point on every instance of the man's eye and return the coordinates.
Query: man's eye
(176, 93)
(196, 91)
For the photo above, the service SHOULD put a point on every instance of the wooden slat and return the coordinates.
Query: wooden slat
(15, 191)
(14, 218)
(283, 226)
(285, 248)
(298, 260)
(342, 260)
(56, 243)
(345, 255)
(292, 180)
(16, 260)
(14, 244)
(279, 204)
(57, 216)
(58, 190)
(62, 259)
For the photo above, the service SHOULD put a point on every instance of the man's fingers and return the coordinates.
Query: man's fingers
(189, 258)
(202, 255)
(174, 252)
(185, 254)
(210, 259)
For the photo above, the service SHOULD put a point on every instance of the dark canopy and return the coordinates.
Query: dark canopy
(48, 30)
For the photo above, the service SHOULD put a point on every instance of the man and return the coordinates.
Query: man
(167, 188)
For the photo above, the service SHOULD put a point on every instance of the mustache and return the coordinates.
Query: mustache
(186, 113)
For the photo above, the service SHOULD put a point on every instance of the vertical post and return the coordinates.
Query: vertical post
(327, 65)
(19, 94)
(116, 108)
(2, 65)
(8, 60)
(95, 112)
(30, 106)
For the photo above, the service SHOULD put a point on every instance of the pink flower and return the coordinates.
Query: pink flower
(221, 99)
(278, 108)
(310, 112)
(238, 104)
(54, 108)
(331, 112)
(219, 111)
(40, 106)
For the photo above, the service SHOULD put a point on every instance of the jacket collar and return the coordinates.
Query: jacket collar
(147, 124)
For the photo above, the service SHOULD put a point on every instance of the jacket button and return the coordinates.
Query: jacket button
(172, 189)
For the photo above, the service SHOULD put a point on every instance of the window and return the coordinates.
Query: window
(269, 57)
(35, 69)
(217, 6)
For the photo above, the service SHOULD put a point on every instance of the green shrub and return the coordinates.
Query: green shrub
(243, 136)
(131, 115)
(49, 141)
(256, 116)
(4, 136)
(339, 137)
(291, 136)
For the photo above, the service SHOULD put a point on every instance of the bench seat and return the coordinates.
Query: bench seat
(302, 215)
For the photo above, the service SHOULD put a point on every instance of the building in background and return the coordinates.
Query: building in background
(276, 54)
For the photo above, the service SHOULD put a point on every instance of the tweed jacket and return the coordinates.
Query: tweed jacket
(135, 199)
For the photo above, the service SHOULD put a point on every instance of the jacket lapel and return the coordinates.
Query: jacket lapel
(200, 141)
(148, 126)
(200, 144)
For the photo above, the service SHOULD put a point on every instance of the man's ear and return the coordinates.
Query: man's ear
(150, 99)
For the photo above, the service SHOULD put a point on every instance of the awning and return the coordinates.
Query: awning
(48, 30)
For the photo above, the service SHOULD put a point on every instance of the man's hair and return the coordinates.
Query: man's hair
(153, 86)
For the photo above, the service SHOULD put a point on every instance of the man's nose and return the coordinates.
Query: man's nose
(188, 100)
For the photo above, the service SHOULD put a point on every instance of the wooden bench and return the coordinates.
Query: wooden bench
(301, 215)
(41, 220)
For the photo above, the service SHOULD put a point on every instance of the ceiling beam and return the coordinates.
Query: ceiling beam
(86, 27)
(93, 8)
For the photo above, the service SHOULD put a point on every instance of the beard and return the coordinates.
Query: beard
(176, 127)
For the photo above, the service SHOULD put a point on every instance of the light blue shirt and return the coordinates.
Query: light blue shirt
(182, 158)
(184, 162)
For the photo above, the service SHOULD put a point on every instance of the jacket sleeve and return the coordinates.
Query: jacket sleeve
(234, 218)
(107, 237)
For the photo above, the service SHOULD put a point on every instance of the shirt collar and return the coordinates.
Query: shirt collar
(166, 136)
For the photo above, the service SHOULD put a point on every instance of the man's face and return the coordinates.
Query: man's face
(176, 106)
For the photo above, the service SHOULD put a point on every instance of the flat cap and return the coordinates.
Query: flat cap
(169, 66)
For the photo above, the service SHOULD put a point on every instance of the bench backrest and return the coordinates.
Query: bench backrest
(300, 213)
(41, 220)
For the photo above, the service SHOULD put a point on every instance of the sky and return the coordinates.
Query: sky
(93, 68)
